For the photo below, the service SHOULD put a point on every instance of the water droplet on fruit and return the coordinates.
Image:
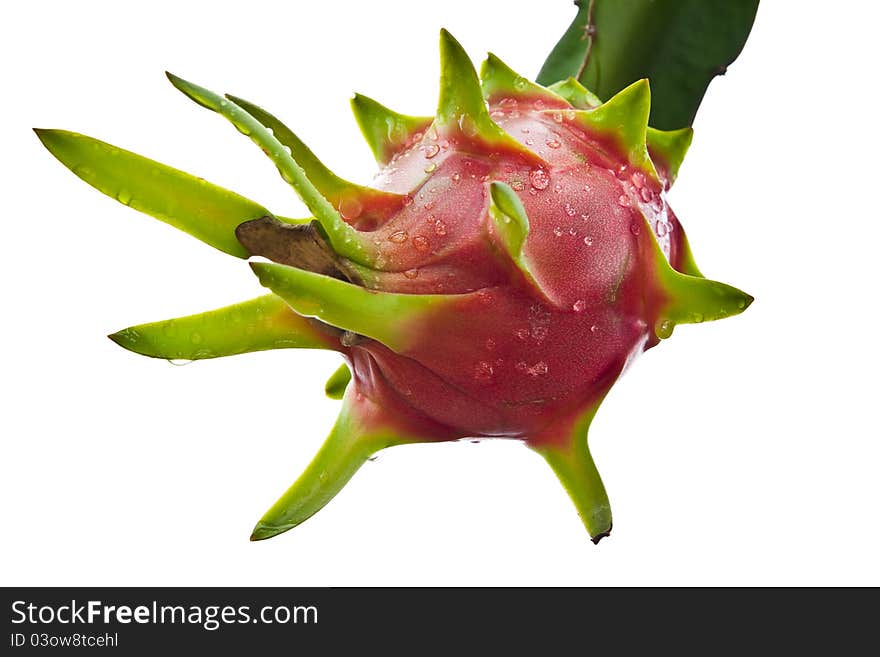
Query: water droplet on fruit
(579, 306)
(407, 200)
(698, 318)
(439, 227)
(432, 132)
(483, 372)
(572, 231)
(647, 194)
(538, 369)
(411, 273)
(196, 338)
(557, 231)
(431, 168)
(124, 196)
(517, 185)
(554, 143)
(530, 142)
(638, 179)
(508, 102)
(520, 83)
(588, 240)
(662, 228)
(468, 125)
(432, 150)
(350, 207)
(398, 237)
(557, 116)
(456, 177)
(421, 243)
(623, 201)
(179, 362)
(664, 328)
(635, 227)
(525, 131)
(539, 178)
(569, 210)
(522, 333)
(490, 344)
(569, 115)
(84, 172)
(429, 205)
(557, 188)
(594, 329)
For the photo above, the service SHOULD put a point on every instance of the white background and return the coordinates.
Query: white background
(740, 452)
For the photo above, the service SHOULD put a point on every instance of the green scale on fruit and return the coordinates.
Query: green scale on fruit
(516, 253)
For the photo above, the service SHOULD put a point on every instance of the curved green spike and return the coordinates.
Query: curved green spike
(256, 325)
(499, 81)
(687, 265)
(509, 216)
(191, 204)
(461, 109)
(691, 299)
(344, 239)
(386, 131)
(341, 193)
(624, 119)
(668, 148)
(338, 382)
(511, 223)
(390, 318)
(565, 447)
(362, 429)
(576, 94)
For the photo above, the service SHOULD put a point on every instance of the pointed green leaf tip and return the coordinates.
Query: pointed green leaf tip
(338, 382)
(188, 203)
(386, 131)
(500, 81)
(624, 119)
(690, 299)
(564, 445)
(668, 148)
(387, 317)
(350, 443)
(511, 224)
(576, 94)
(509, 217)
(256, 325)
(346, 196)
(344, 239)
(461, 109)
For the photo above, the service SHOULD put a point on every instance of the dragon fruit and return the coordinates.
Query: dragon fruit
(513, 256)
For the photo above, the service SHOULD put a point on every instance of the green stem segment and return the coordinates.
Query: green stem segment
(193, 205)
(344, 239)
(256, 325)
(388, 317)
(566, 451)
(338, 382)
(349, 198)
(355, 437)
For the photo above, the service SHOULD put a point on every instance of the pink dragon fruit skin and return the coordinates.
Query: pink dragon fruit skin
(514, 255)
